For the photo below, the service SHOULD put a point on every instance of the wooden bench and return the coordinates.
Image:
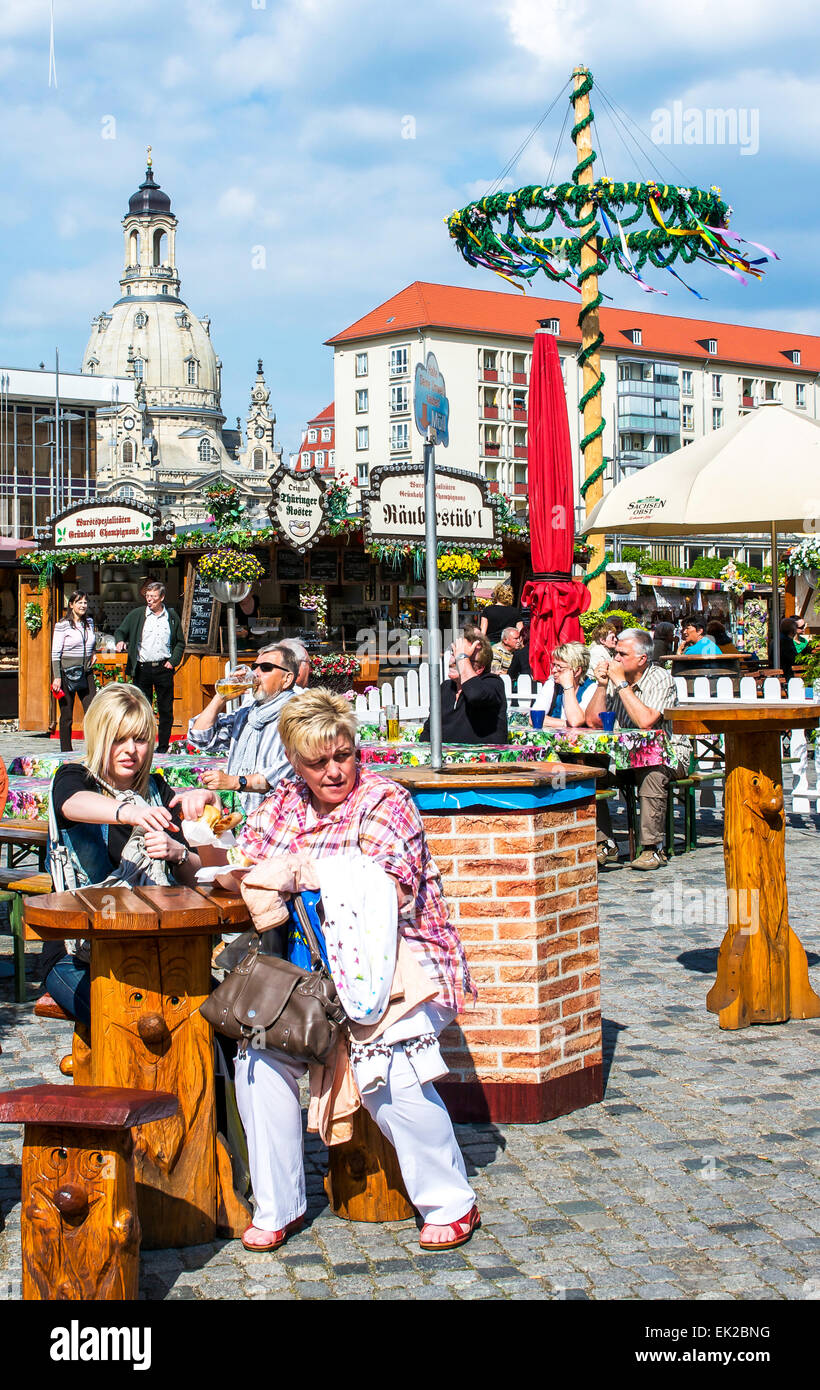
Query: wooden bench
(17, 887)
(80, 1229)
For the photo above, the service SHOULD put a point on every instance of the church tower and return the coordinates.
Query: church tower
(150, 241)
(261, 453)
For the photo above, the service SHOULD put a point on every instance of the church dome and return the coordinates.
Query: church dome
(172, 348)
(149, 198)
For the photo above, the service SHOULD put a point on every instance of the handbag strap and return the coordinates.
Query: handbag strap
(316, 962)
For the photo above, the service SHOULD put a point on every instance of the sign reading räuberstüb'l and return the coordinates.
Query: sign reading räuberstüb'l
(393, 507)
(298, 509)
(430, 404)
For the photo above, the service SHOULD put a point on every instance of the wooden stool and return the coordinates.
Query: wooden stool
(364, 1181)
(78, 1062)
(80, 1228)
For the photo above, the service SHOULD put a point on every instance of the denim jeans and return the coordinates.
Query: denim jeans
(69, 984)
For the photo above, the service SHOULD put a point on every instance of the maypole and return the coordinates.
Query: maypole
(589, 358)
(596, 219)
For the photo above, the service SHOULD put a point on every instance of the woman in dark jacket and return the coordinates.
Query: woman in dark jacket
(473, 701)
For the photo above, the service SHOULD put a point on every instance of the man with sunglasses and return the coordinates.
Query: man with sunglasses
(257, 761)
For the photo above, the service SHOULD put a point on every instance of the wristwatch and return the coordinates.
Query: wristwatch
(243, 783)
(622, 685)
(185, 856)
(462, 656)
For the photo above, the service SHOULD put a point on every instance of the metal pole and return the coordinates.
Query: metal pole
(775, 602)
(232, 653)
(58, 448)
(433, 633)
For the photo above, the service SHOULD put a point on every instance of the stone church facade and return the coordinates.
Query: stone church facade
(174, 444)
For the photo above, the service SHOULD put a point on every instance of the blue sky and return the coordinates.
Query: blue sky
(282, 125)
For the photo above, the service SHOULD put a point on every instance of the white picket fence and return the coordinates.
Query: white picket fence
(411, 694)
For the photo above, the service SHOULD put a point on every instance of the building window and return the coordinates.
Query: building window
(320, 458)
(553, 326)
(711, 346)
(362, 474)
(686, 383)
(93, 364)
(205, 451)
(128, 452)
(331, 458)
(183, 320)
(400, 435)
(634, 334)
(717, 387)
(306, 459)
(398, 361)
(362, 437)
(717, 419)
(361, 402)
(800, 395)
(140, 318)
(139, 368)
(259, 458)
(165, 289)
(795, 356)
(193, 371)
(687, 417)
(361, 364)
(326, 436)
(771, 390)
(312, 436)
(399, 399)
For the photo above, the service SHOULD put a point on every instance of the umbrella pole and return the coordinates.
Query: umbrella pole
(775, 602)
(590, 336)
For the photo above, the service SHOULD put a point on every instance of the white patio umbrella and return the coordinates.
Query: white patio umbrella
(761, 473)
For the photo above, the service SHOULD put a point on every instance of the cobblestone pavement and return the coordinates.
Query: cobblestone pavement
(697, 1177)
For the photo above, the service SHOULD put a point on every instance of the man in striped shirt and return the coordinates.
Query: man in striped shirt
(638, 693)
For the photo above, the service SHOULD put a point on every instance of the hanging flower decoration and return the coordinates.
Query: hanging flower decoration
(231, 566)
(803, 557)
(458, 566)
(313, 599)
(33, 617)
(732, 579)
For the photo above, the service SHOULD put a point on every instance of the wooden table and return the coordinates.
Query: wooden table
(150, 971)
(26, 835)
(762, 974)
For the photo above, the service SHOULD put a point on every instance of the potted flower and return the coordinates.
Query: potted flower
(804, 559)
(457, 572)
(230, 574)
(336, 671)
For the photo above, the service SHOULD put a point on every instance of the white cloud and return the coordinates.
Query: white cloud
(236, 203)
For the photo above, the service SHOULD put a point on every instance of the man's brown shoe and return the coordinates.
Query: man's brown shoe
(650, 859)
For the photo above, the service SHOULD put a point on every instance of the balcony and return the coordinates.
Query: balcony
(489, 374)
(519, 414)
(493, 485)
(519, 378)
(492, 450)
(490, 412)
(519, 451)
(747, 402)
(520, 489)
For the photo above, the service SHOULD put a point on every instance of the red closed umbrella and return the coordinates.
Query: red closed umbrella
(554, 598)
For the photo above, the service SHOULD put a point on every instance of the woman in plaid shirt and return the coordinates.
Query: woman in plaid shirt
(338, 808)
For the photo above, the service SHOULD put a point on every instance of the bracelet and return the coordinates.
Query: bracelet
(119, 808)
(186, 854)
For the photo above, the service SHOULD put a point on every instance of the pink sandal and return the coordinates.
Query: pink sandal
(277, 1238)
(461, 1229)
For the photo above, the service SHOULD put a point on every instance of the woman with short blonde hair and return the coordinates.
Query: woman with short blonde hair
(339, 810)
(572, 690)
(108, 816)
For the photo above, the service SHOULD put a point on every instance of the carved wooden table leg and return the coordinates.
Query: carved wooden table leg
(80, 1227)
(364, 1182)
(147, 1032)
(762, 974)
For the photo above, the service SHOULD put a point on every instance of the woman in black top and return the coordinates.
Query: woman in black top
(500, 614)
(98, 805)
(473, 702)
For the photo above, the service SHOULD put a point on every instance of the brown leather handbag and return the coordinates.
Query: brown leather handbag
(269, 1002)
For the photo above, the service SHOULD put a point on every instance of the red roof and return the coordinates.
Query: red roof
(324, 416)
(499, 314)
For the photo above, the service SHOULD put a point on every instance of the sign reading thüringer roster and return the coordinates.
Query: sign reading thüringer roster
(394, 506)
(298, 509)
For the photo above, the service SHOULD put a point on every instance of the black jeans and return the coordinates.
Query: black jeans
(153, 676)
(85, 692)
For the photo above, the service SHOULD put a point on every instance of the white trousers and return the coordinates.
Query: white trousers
(412, 1116)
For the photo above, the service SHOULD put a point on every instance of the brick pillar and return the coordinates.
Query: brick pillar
(521, 883)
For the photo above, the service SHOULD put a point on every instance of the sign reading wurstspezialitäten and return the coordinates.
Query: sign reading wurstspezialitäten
(393, 508)
(106, 526)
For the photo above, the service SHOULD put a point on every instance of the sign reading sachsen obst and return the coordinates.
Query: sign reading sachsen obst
(298, 509)
(103, 526)
(394, 507)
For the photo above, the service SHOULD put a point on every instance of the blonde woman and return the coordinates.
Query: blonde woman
(336, 808)
(500, 614)
(97, 806)
(572, 691)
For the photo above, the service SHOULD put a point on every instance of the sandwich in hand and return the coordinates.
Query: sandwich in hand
(218, 820)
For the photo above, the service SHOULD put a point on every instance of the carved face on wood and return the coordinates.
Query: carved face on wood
(72, 1196)
(763, 798)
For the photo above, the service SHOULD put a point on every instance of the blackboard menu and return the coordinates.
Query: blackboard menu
(200, 613)
(290, 565)
(324, 566)
(356, 566)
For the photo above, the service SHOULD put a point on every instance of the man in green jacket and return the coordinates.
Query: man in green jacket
(155, 643)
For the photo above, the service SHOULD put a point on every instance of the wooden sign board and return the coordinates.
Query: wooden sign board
(324, 566)
(200, 614)
(356, 566)
(291, 566)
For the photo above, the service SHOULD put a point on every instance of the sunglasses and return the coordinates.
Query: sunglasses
(267, 666)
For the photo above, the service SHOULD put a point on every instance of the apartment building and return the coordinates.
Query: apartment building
(668, 380)
(317, 449)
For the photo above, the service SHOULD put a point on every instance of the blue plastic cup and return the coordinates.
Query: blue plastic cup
(537, 717)
(607, 718)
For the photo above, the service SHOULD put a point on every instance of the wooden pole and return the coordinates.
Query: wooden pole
(594, 452)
